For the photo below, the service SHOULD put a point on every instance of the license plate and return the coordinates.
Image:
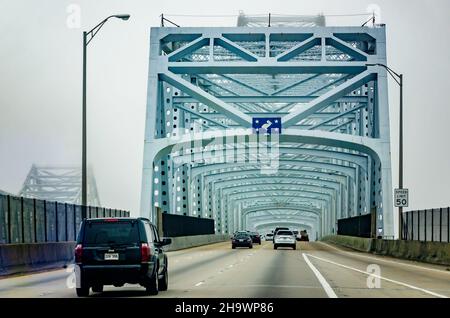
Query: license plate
(241, 240)
(111, 256)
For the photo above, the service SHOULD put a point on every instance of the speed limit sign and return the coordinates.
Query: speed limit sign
(401, 197)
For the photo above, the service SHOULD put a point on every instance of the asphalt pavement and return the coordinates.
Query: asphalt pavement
(314, 270)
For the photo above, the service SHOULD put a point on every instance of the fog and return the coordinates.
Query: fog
(40, 86)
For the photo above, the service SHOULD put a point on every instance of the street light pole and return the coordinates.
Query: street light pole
(400, 159)
(399, 80)
(84, 141)
(91, 34)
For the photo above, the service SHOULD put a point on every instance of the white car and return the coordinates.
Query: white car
(284, 238)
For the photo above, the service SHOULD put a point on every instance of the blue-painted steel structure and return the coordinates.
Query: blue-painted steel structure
(332, 159)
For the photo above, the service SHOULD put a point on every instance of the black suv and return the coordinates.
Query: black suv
(115, 251)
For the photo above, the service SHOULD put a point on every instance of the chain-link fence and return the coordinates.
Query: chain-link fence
(24, 220)
(427, 225)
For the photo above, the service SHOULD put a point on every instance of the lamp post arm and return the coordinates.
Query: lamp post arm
(95, 30)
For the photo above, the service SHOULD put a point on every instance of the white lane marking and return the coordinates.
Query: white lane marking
(380, 277)
(330, 292)
(200, 283)
(385, 260)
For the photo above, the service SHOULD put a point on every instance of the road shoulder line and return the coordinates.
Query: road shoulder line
(380, 277)
(381, 259)
(328, 290)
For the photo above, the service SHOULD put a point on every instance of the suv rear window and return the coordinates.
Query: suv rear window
(284, 233)
(107, 233)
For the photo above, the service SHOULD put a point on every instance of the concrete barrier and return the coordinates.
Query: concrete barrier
(182, 242)
(430, 252)
(23, 258)
(20, 258)
(356, 243)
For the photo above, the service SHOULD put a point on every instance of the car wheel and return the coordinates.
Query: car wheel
(83, 292)
(233, 246)
(251, 246)
(294, 247)
(275, 246)
(152, 287)
(164, 282)
(97, 288)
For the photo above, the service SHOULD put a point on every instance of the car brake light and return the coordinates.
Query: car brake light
(78, 253)
(145, 253)
(111, 220)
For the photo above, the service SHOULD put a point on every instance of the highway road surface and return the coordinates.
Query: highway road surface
(315, 269)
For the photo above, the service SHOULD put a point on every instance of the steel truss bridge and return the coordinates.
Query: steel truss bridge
(331, 160)
(59, 183)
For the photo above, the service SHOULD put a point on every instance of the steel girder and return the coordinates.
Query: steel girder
(205, 80)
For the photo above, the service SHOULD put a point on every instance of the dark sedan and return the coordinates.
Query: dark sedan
(241, 240)
(256, 238)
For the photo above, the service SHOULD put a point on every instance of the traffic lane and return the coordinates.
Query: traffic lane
(188, 271)
(45, 284)
(347, 273)
(263, 273)
(58, 283)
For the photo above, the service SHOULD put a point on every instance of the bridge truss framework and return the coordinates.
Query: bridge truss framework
(201, 157)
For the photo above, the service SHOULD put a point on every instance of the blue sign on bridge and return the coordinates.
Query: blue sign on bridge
(267, 125)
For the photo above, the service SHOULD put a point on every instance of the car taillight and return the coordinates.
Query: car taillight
(111, 220)
(145, 253)
(78, 253)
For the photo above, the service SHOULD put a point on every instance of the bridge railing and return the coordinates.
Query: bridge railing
(26, 220)
(430, 225)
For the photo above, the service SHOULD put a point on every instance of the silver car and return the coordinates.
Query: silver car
(284, 238)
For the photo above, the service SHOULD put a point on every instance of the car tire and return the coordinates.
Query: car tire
(97, 288)
(294, 247)
(163, 282)
(233, 247)
(251, 246)
(152, 287)
(83, 292)
(275, 246)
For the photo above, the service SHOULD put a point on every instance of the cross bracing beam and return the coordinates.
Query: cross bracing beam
(292, 207)
(238, 50)
(295, 218)
(300, 192)
(188, 49)
(327, 98)
(270, 196)
(266, 180)
(349, 171)
(253, 218)
(337, 116)
(207, 99)
(272, 99)
(320, 115)
(226, 175)
(298, 49)
(360, 160)
(286, 223)
(267, 67)
(278, 187)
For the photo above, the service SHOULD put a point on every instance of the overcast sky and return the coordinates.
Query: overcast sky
(40, 85)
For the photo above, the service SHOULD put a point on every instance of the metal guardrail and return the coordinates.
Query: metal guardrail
(430, 225)
(25, 220)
